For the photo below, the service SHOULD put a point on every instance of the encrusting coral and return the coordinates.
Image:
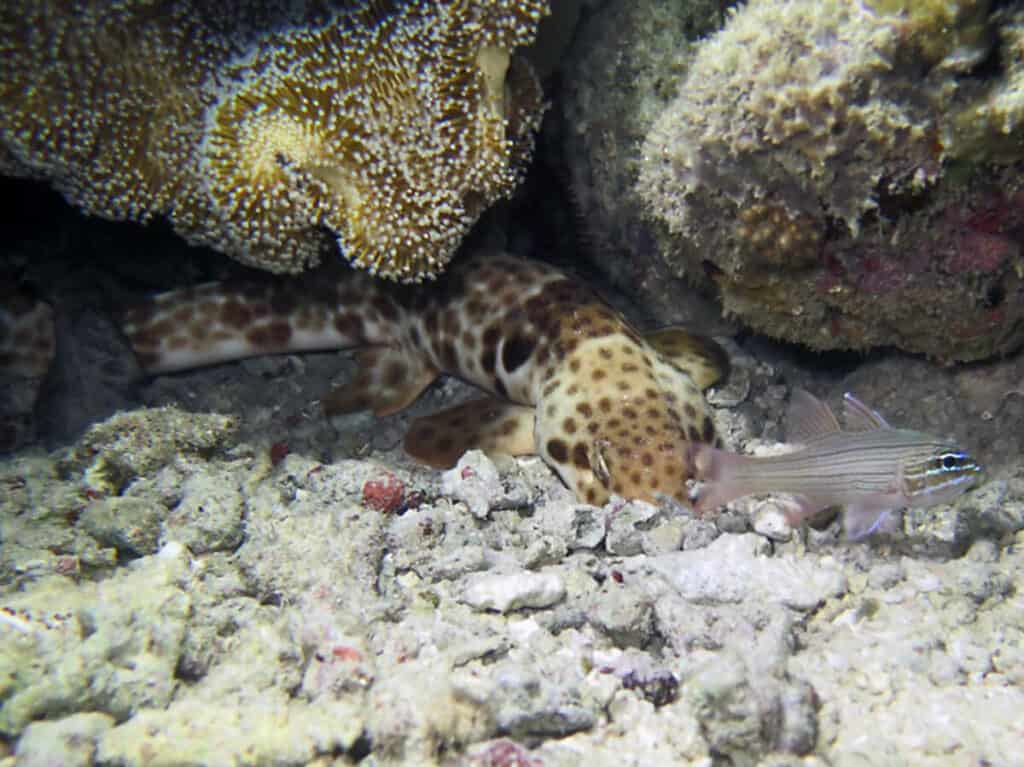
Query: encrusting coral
(274, 131)
(826, 162)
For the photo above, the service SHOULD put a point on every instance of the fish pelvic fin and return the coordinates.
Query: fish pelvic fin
(861, 520)
(388, 381)
(491, 425)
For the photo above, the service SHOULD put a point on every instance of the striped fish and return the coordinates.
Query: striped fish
(870, 468)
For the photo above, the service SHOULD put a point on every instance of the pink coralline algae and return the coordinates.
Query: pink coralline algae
(384, 493)
(879, 276)
(506, 753)
(980, 252)
(982, 236)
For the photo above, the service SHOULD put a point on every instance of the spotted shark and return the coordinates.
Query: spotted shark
(610, 409)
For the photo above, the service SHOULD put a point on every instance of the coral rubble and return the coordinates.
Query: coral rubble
(533, 630)
(823, 162)
(276, 131)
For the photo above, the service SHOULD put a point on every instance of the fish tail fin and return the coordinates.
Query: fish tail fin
(717, 472)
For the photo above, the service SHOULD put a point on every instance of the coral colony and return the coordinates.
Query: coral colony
(808, 163)
(344, 132)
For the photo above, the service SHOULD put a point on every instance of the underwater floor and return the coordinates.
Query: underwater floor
(270, 588)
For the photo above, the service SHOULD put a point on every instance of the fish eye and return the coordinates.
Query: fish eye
(951, 461)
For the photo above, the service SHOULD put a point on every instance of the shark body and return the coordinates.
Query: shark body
(611, 410)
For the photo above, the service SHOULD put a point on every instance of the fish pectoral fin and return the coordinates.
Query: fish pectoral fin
(488, 424)
(388, 381)
(860, 521)
(704, 359)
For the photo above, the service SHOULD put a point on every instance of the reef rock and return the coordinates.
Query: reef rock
(625, 66)
(845, 174)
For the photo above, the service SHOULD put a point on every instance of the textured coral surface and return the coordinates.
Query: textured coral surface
(847, 174)
(273, 131)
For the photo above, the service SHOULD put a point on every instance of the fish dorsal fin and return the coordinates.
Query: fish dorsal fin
(488, 424)
(860, 417)
(809, 418)
(698, 356)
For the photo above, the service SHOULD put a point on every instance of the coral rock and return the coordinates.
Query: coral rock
(388, 129)
(824, 164)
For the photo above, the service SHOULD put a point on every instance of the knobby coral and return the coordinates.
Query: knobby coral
(271, 132)
(820, 159)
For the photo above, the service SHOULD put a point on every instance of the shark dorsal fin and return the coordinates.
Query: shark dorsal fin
(809, 418)
(859, 417)
(703, 359)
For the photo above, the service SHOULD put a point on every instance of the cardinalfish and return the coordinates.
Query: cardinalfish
(869, 468)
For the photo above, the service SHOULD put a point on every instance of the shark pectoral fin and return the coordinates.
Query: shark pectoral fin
(388, 380)
(859, 521)
(704, 360)
(491, 425)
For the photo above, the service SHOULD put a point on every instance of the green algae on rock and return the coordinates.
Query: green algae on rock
(805, 167)
(114, 650)
(138, 442)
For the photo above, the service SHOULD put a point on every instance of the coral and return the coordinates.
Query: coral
(821, 163)
(989, 127)
(772, 236)
(954, 34)
(273, 137)
(131, 444)
(796, 101)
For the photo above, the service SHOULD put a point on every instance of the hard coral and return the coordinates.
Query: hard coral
(774, 237)
(391, 126)
(989, 127)
(797, 100)
(817, 166)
